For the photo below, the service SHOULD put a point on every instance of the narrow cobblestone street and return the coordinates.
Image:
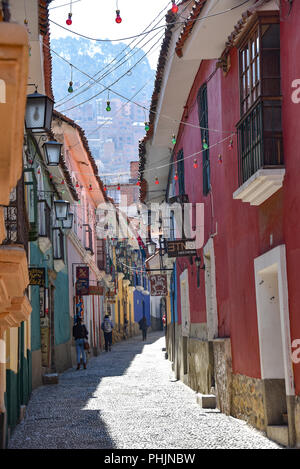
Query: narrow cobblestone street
(127, 399)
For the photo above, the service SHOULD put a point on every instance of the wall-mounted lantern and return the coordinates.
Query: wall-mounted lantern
(52, 150)
(39, 109)
(68, 223)
(61, 209)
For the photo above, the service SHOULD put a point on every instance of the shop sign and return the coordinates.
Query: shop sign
(37, 276)
(159, 285)
(181, 248)
(82, 280)
(95, 290)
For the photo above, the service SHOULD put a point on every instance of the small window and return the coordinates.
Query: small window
(203, 123)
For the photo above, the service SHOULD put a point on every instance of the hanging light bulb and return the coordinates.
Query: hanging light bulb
(50, 176)
(138, 183)
(90, 187)
(69, 20)
(108, 108)
(220, 158)
(147, 127)
(195, 163)
(156, 181)
(77, 184)
(118, 17)
(70, 89)
(230, 146)
(205, 146)
(176, 176)
(105, 188)
(174, 7)
(39, 171)
(62, 181)
(174, 139)
(119, 187)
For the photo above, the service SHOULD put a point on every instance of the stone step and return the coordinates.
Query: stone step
(206, 401)
(51, 378)
(278, 433)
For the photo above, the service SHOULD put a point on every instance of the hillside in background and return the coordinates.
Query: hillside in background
(113, 136)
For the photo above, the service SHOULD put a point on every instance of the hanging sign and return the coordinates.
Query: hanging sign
(181, 248)
(82, 280)
(159, 285)
(95, 290)
(37, 276)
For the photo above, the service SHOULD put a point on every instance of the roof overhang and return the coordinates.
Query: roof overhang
(214, 24)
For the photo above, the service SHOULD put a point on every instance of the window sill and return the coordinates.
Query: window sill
(261, 186)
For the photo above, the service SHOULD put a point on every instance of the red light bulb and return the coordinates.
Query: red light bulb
(195, 164)
(69, 20)
(176, 176)
(90, 187)
(174, 7)
(138, 183)
(118, 18)
(156, 181)
(118, 187)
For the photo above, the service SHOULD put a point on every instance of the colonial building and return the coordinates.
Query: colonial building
(226, 138)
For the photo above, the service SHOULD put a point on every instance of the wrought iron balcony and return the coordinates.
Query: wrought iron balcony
(260, 152)
(15, 217)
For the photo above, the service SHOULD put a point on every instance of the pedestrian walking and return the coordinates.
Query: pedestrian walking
(107, 327)
(143, 326)
(125, 329)
(80, 335)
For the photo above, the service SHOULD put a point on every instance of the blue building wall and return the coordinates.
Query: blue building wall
(174, 313)
(141, 305)
(61, 299)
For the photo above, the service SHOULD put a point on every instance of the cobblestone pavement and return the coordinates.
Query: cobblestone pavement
(128, 398)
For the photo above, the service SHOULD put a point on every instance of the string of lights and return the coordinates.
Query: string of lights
(145, 108)
(120, 64)
(108, 88)
(153, 29)
(121, 53)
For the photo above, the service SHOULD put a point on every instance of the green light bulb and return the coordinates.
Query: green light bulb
(173, 139)
(205, 146)
(147, 127)
(108, 108)
(70, 89)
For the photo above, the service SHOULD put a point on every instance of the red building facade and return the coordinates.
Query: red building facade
(237, 151)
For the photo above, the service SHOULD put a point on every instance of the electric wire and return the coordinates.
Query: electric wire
(158, 27)
(120, 54)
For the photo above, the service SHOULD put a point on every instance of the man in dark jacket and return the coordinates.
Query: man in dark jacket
(143, 326)
(80, 335)
(107, 327)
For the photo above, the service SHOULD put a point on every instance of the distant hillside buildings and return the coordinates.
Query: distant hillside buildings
(113, 135)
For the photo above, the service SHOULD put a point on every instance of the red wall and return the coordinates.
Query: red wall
(290, 65)
(243, 230)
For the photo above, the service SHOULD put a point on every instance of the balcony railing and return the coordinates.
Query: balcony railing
(260, 138)
(15, 217)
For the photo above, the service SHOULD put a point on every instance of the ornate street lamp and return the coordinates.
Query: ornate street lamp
(61, 209)
(151, 246)
(52, 150)
(39, 110)
(68, 223)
